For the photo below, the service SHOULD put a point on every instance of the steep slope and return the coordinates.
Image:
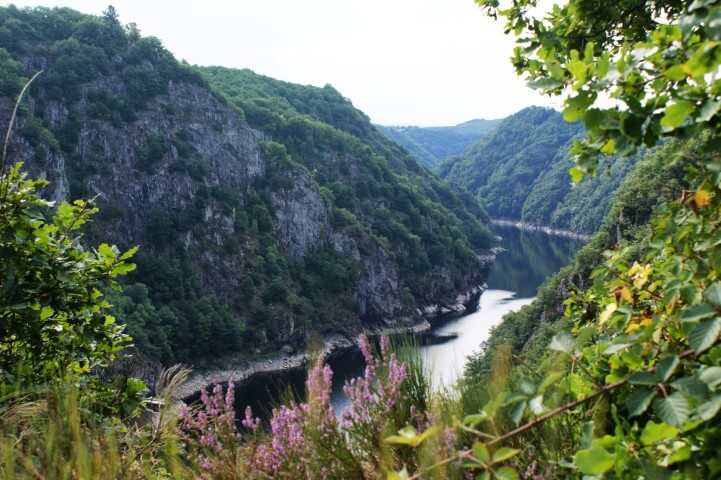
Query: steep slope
(625, 229)
(262, 220)
(431, 145)
(519, 171)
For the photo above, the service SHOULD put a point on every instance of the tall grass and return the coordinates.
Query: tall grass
(61, 436)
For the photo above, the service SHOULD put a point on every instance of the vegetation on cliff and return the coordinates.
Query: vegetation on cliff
(519, 171)
(627, 385)
(266, 212)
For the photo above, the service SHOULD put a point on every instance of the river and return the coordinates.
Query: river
(527, 260)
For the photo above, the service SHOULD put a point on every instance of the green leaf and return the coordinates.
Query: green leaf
(518, 411)
(129, 253)
(632, 125)
(642, 378)
(712, 294)
(46, 312)
(584, 335)
(665, 367)
(708, 409)
(656, 432)
(593, 118)
(402, 475)
(503, 454)
(474, 419)
(427, 433)
(578, 69)
(691, 386)
(698, 312)
(638, 402)
(506, 473)
(711, 376)
(594, 460)
(406, 436)
(673, 409)
(709, 109)
(576, 174)
(526, 386)
(546, 83)
(481, 452)
(703, 335)
(562, 342)
(576, 106)
(676, 113)
(609, 148)
(680, 453)
(107, 253)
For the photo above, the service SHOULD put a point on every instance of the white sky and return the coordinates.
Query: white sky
(403, 62)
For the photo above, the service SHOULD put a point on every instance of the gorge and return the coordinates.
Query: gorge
(206, 272)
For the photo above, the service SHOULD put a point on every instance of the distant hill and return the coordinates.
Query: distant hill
(431, 145)
(519, 171)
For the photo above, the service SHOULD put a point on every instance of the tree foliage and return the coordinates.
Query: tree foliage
(634, 384)
(54, 316)
(519, 171)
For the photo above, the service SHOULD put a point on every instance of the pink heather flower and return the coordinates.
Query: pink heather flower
(230, 394)
(365, 349)
(449, 439)
(384, 345)
(210, 430)
(249, 422)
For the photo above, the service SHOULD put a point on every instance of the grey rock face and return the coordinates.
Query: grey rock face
(137, 191)
(301, 217)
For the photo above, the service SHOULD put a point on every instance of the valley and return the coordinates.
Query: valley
(207, 272)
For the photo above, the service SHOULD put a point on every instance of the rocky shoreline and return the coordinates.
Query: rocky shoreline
(241, 371)
(531, 227)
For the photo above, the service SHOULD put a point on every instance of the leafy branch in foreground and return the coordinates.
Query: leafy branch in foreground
(633, 72)
(53, 318)
(640, 379)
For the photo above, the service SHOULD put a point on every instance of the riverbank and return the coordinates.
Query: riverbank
(531, 227)
(242, 370)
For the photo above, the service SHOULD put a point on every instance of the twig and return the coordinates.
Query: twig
(3, 164)
(557, 411)
(601, 391)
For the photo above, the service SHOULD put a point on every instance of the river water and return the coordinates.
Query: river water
(527, 260)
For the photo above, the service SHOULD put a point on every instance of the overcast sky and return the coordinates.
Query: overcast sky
(403, 62)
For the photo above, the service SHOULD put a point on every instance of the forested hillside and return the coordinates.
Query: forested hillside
(519, 171)
(431, 145)
(265, 211)
(626, 228)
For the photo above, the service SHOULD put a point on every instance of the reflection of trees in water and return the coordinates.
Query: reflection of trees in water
(531, 257)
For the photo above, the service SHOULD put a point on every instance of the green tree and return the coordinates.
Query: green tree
(53, 317)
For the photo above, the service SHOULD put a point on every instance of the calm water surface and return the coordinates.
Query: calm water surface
(529, 258)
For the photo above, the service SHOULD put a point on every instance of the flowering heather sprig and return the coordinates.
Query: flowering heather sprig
(248, 421)
(298, 431)
(373, 396)
(210, 431)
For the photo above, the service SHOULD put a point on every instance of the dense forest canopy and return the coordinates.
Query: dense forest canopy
(254, 222)
(519, 171)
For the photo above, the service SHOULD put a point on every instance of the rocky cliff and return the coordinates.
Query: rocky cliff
(264, 217)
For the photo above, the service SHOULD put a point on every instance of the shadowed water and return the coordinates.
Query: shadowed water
(527, 260)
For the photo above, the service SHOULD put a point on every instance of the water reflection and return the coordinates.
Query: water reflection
(527, 260)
